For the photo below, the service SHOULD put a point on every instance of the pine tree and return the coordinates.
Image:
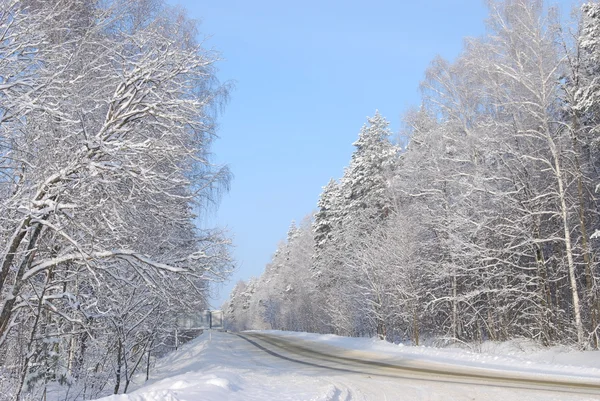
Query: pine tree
(587, 87)
(366, 180)
(327, 218)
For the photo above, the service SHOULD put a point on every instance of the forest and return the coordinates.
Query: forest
(478, 221)
(107, 115)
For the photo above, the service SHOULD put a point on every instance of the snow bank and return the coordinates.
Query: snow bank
(515, 355)
(226, 367)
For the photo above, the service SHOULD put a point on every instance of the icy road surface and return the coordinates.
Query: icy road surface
(289, 366)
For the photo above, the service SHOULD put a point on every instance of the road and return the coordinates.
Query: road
(266, 366)
(356, 362)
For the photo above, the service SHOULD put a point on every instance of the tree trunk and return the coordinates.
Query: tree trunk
(455, 331)
(148, 359)
(119, 363)
(11, 250)
(585, 239)
(31, 342)
(415, 326)
(7, 307)
(568, 244)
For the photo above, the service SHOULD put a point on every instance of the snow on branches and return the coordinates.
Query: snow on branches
(105, 132)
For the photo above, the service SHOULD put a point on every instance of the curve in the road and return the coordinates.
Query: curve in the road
(354, 365)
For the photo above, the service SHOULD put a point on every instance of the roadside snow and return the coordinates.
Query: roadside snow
(222, 366)
(516, 355)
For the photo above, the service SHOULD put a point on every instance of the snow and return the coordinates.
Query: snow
(223, 366)
(515, 355)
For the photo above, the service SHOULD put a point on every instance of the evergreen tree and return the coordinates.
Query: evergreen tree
(366, 180)
(327, 217)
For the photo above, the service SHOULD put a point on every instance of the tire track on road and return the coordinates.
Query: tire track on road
(378, 368)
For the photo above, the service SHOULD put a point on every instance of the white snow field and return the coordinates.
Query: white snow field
(280, 366)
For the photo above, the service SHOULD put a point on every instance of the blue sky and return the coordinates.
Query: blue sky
(307, 74)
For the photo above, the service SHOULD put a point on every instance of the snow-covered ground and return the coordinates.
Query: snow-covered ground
(222, 366)
(513, 355)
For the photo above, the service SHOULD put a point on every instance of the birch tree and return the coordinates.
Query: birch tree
(106, 126)
(480, 229)
(580, 91)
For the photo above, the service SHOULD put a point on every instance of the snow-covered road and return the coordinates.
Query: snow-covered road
(288, 366)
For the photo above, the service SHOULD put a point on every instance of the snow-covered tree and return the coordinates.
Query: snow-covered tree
(284, 296)
(480, 229)
(328, 215)
(582, 99)
(366, 180)
(105, 133)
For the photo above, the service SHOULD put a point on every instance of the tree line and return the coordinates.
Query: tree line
(107, 112)
(484, 225)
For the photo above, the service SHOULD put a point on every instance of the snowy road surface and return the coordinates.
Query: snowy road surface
(294, 366)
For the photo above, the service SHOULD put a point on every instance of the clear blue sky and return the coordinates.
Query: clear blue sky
(307, 74)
